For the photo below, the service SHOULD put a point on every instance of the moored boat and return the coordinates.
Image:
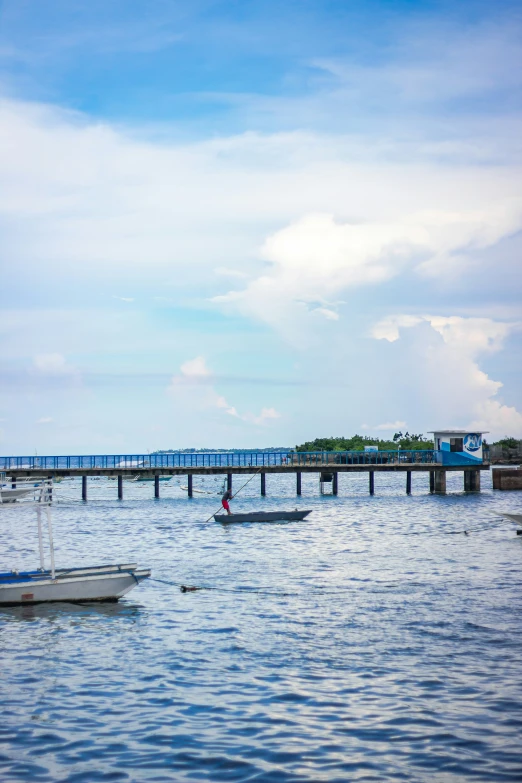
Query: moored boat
(97, 583)
(73, 585)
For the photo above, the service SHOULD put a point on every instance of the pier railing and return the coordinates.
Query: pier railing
(182, 459)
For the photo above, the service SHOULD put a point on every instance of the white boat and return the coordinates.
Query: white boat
(73, 585)
(19, 489)
(10, 495)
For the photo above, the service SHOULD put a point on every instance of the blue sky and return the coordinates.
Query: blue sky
(254, 223)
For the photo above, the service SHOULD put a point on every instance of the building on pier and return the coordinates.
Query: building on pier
(458, 447)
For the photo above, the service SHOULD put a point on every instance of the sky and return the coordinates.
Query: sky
(250, 224)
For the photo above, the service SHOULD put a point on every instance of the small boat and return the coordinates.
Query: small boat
(20, 488)
(73, 585)
(262, 516)
(10, 495)
(200, 491)
(151, 478)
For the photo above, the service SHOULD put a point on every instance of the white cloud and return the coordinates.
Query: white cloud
(499, 419)
(195, 368)
(195, 371)
(389, 328)
(45, 420)
(330, 315)
(52, 364)
(389, 426)
(445, 370)
(124, 298)
(95, 194)
(317, 257)
(470, 335)
(224, 271)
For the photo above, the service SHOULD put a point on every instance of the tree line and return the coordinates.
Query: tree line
(413, 442)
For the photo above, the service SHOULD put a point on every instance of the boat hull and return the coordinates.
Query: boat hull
(11, 495)
(98, 583)
(262, 516)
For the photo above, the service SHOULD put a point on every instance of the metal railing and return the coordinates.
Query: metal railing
(216, 459)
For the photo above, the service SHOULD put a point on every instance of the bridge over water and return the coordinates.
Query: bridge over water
(327, 464)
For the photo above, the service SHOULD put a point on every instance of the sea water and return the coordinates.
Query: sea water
(373, 641)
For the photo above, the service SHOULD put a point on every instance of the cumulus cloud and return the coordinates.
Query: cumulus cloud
(45, 420)
(471, 335)
(93, 193)
(444, 365)
(318, 257)
(195, 368)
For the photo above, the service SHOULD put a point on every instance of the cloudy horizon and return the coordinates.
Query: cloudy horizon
(232, 229)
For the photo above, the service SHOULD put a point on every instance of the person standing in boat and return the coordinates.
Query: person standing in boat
(224, 500)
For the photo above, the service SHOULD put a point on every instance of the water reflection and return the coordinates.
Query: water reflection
(74, 611)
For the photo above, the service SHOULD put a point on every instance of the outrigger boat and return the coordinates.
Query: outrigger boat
(74, 585)
(262, 516)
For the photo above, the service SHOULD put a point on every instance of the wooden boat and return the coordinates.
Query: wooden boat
(262, 516)
(73, 585)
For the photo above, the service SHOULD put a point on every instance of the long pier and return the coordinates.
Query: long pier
(327, 464)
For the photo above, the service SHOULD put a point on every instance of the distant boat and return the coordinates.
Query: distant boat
(201, 491)
(262, 516)
(87, 583)
(151, 478)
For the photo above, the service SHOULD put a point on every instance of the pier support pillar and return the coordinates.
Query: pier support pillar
(371, 476)
(50, 493)
(189, 484)
(298, 482)
(472, 481)
(440, 481)
(156, 486)
(263, 484)
(120, 487)
(432, 481)
(408, 482)
(84, 487)
(335, 484)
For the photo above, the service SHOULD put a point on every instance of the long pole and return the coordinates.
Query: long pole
(40, 538)
(51, 542)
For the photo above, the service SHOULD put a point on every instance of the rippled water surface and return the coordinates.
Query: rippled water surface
(392, 649)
